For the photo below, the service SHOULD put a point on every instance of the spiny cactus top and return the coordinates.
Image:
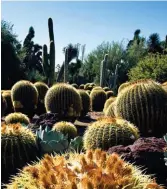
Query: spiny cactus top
(122, 86)
(144, 103)
(93, 170)
(17, 118)
(42, 88)
(63, 99)
(107, 132)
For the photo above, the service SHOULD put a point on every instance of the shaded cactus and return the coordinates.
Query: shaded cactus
(92, 170)
(144, 103)
(66, 128)
(109, 132)
(51, 141)
(3, 106)
(85, 102)
(81, 86)
(106, 89)
(103, 71)
(64, 100)
(42, 88)
(24, 97)
(111, 110)
(75, 85)
(109, 94)
(88, 86)
(17, 118)
(98, 98)
(18, 147)
(108, 102)
(7, 96)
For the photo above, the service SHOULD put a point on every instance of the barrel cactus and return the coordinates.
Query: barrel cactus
(7, 96)
(90, 170)
(85, 102)
(108, 102)
(122, 86)
(144, 103)
(108, 132)
(75, 85)
(42, 88)
(66, 128)
(98, 98)
(3, 106)
(111, 110)
(109, 94)
(17, 118)
(24, 97)
(106, 89)
(97, 88)
(18, 147)
(64, 100)
(81, 86)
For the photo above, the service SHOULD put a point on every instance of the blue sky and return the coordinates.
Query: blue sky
(88, 23)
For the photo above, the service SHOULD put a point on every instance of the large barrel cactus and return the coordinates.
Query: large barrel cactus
(24, 97)
(42, 88)
(64, 100)
(108, 132)
(85, 102)
(7, 96)
(18, 147)
(122, 86)
(92, 170)
(98, 98)
(144, 103)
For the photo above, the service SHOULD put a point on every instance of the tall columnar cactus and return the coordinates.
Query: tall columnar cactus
(24, 97)
(98, 98)
(18, 147)
(64, 100)
(42, 88)
(103, 71)
(66, 66)
(92, 170)
(49, 59)
(85, 102)
(144, 103)
(108, 132)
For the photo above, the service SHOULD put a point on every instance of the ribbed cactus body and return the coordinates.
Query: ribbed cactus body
(17, 118)
(64, 100)
(110, 111)
(3, 106)
(103, 71)
(144, 103)
(66, 66)
(122, 86)
(109, 132)
(24, 97)
(42, 88)
(18, 147)
(108, 102)
(7, 96)
(66, 128)
(98, 98)
(85, 102)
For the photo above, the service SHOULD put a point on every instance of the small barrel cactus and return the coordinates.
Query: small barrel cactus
(7, 96)
(98, 98)
(110, 111)
(108, 102)
(42, 89)
(17, 118)
(75, 85)
(108, 132)
(81, 86)
(66, 128)
(51, 141)
(24, 97)
(64, 100)
(109, 94)
(144, 103)
(3, 106)
(92, 170)
(18, 147)
(106, 89)
(97, 88)
(85, 102)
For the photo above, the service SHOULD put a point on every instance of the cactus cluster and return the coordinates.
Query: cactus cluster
(24, 97)
(98, 98)
(85, 102)
(108, 132)
(64, 100)
(144, 103)
(93, 170)
(66, 128)
(17, 118)
(18, 147)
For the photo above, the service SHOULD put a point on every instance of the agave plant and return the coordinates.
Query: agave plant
(51, 141)
(165, 153)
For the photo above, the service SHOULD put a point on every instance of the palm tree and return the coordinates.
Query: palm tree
(72, 53)
(154, 43)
